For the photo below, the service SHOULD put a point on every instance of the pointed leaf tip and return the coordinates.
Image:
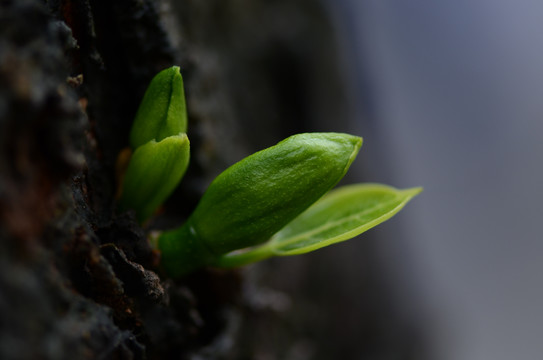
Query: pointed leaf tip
(162, 111)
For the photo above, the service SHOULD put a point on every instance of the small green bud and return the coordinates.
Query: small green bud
(162, 111)
(161, 147)
(153, 173)
(256, 197)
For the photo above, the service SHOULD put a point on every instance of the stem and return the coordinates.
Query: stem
(182, 251)
(235, 259)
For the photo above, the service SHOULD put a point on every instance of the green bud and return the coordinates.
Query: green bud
(162, 111)
(161, 147)
(256, 197)
(153, 173)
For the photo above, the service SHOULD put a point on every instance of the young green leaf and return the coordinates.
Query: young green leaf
(253, 199)
(340, 215)
(162, 111)
(153, 173)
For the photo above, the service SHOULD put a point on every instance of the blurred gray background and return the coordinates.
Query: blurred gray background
(452, 99)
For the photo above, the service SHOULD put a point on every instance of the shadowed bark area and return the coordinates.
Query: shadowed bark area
(78, 279)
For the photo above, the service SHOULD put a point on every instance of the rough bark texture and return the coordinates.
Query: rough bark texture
(78, 279)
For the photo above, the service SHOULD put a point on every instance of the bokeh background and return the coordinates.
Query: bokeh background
(451, 97)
